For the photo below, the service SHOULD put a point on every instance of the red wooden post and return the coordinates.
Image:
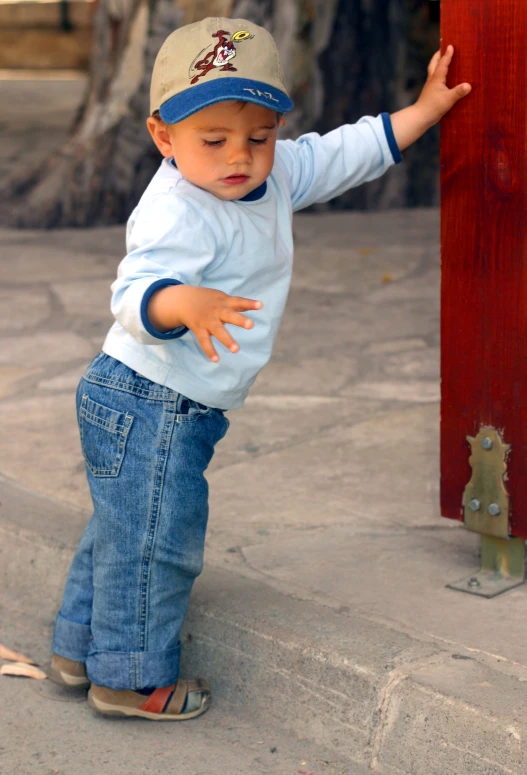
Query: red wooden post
(484, 283)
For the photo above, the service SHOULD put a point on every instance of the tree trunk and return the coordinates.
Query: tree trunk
(342, 59)
(98, 176)
(376, 62)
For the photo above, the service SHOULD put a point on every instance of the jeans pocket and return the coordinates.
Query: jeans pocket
(104, 433)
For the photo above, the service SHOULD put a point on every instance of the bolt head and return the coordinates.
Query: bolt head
(494, 510)
(473, 582)
(487, 443)
(474, 504)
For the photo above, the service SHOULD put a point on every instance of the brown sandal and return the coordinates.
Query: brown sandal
(66, 672)
(164, 704)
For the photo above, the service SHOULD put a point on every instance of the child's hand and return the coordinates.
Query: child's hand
(436, 99)
(204, 311)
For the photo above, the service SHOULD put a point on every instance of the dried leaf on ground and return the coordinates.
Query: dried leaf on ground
(14, 656)
(23, 669)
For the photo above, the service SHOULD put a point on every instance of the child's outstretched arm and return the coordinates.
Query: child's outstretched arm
(320, 168)
(435, 100)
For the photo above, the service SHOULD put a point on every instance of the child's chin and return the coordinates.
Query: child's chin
(232, 192)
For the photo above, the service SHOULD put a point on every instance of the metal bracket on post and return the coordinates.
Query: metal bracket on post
(486, 511)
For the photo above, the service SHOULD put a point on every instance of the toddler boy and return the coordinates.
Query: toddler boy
(210, 254)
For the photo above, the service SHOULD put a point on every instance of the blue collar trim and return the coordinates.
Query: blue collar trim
(258, 193)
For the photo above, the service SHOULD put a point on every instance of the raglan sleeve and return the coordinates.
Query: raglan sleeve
(168, 243)
(319, 168)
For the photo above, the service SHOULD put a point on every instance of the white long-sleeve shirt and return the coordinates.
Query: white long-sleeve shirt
(179, 233)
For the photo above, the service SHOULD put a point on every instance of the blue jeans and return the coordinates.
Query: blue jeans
(146, 448)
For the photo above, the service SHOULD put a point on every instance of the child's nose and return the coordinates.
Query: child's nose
(240, 153)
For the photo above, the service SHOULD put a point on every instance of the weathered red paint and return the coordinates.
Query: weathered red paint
(484, 245)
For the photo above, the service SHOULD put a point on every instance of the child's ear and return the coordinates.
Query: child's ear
(281, 122)
(159, 134)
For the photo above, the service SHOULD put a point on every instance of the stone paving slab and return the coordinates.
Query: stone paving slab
(326, 557)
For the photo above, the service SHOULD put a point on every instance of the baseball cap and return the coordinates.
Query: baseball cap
(214, 60)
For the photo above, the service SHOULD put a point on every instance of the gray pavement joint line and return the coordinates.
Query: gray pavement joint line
(56, 307)
(315, 434)
(12, 483)
(391, 530)
(15, 285)
(11, 530)
(395, 677)
(28, 386)
(426, 636)
(419, 270)
(499, 657)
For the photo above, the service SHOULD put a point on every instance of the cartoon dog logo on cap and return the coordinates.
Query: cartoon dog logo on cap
(220, 56)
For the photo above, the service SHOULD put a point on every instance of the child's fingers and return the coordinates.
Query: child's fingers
(203, 337)
(242, 304)
(462, 89)
(441, 70)
(230, 316)
(222, 335)
(433, 62)
(457, 93)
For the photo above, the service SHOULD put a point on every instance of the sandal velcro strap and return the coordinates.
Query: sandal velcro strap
(180, 696)
(158, 699)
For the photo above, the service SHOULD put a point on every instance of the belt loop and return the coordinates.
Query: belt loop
(179, 402)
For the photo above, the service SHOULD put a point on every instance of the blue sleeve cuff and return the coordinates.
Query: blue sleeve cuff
(176, 332)
(390, 137)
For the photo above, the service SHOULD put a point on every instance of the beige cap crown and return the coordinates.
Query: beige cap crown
(213, 60)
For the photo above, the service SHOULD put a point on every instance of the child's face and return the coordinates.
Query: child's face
(227, 148)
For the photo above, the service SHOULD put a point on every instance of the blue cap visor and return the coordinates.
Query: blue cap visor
(202, 95)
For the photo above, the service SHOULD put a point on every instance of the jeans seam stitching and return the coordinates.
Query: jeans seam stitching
(157, 494)
(126, 387)
(106, 424)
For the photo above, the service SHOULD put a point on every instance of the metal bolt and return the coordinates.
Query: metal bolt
(487, 442)
(494, 510)
(474, 504)
(473, 582)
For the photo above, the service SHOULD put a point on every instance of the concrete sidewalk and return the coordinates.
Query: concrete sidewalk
(323, 604)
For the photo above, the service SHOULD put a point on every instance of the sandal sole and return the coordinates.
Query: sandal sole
(105, 709)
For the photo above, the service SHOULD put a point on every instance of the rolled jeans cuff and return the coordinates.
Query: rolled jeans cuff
(133, 670)
(71, 640)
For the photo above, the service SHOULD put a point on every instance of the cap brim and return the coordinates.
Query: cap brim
(202, 95)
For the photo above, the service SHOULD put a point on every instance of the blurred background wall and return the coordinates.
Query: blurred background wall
(343, 59)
